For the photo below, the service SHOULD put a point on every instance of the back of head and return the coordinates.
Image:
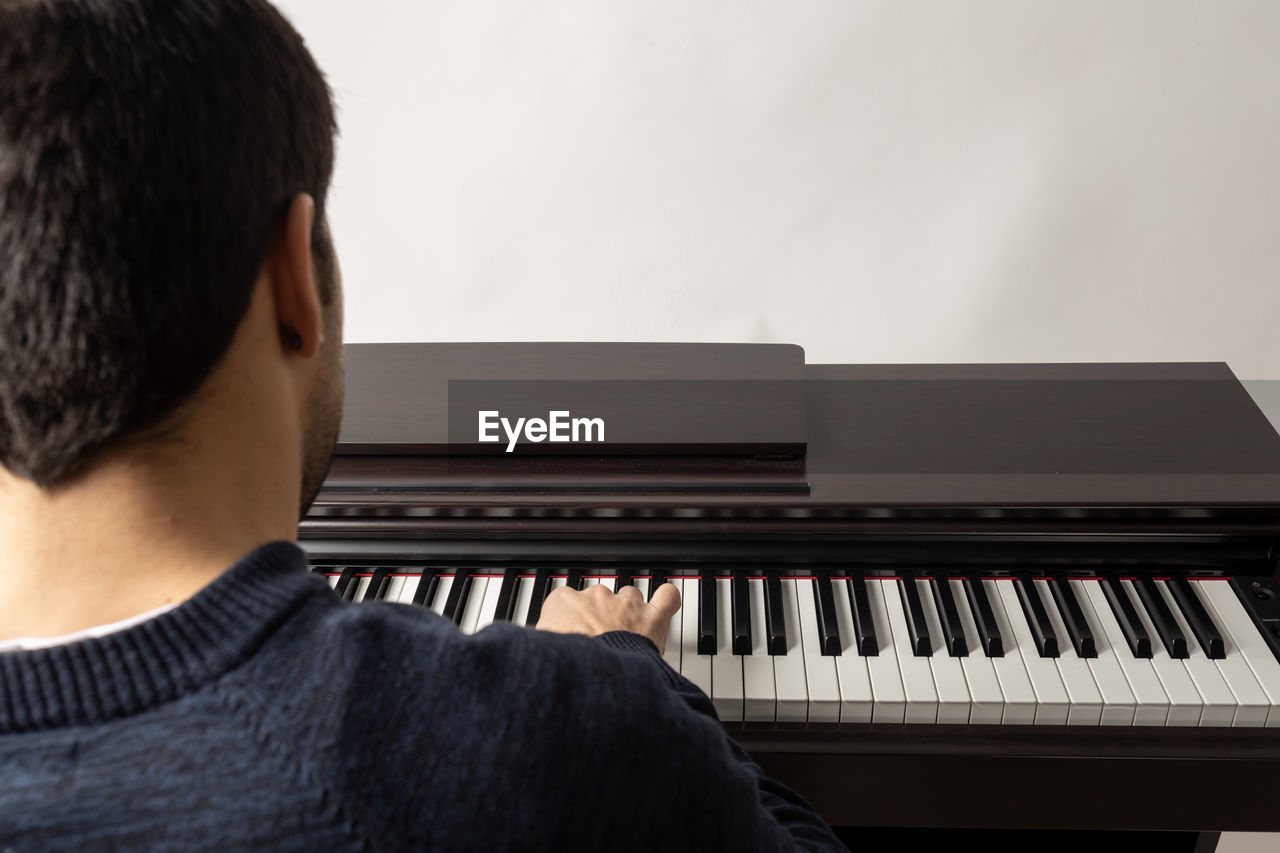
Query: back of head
(147, 150)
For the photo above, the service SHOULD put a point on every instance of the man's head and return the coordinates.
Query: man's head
(150, 153)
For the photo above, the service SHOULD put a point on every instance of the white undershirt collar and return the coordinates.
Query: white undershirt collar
(24, 643)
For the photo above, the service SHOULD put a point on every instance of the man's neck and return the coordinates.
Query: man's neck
(103, 553)
(150, 526)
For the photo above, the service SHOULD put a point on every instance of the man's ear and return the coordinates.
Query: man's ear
(293, 280)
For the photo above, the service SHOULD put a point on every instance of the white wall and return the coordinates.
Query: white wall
(969, 180)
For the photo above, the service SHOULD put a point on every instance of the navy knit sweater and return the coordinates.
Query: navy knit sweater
(264, 713)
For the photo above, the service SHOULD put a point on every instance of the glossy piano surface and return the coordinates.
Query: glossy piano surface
(963, 561)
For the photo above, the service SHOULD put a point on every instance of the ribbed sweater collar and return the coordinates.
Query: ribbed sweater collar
(156, 661)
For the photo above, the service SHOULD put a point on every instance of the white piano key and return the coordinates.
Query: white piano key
(395, 585)
(788, 669)
(1119, 700)
(886, 678)
(409, 587)
(333, 580)
(693, 666)
(726, 667)
(671, 652)
(1215, 706)
(819, 669)
(1252, 704)
(1151, 701)
(1085, 701)
(442, 594)
(1242, 634)
(489, 606)
(760, 697)
(1218, 702)
(588, 582)
(524, 598)
(362, 586)
(609, 583)
(553, 583)
(856, 698)
(986, 698)
(1052, 702)
(917, 675)
(642, 586)
(472, 606)
(948, 672)
(1019, 695)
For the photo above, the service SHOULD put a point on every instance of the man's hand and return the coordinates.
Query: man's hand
(597, 610)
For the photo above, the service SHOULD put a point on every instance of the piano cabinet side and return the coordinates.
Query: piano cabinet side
(1041, 777)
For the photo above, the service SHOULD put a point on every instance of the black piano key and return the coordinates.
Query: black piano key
(707, 641)
(741, 614)
(346, 583)
(353, 589)
(657, 577)
(1159, 614)
(864, 628)
(1072, 616)
(949, 616)
(1037, 617)
(541, 586)
(624, 578)
(825, 607)
(506, 605)
(1130, 625)
(917, 627)
(428, 582)
(377, 585)
(1198, 618)
(983, 618)
(458, 593)
(774, 624)
(574, 579)
(322, 571)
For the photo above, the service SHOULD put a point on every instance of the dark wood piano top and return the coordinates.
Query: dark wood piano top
(1177, 440)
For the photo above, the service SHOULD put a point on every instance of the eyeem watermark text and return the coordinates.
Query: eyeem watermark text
(559, 427)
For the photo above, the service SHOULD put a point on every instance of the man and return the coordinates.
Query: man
(171, 677)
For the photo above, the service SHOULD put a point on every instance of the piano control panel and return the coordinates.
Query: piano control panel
(1261, 595)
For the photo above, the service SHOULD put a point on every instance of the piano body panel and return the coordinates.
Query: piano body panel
(1192, 780)
(794, 485)
(678, 551)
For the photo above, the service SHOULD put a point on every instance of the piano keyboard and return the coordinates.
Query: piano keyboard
(972, 649)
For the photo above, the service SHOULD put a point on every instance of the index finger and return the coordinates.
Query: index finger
(667, 599)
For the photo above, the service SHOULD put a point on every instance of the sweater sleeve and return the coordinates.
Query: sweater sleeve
(513, 738)
(744, 808)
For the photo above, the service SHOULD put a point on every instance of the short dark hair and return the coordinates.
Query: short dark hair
(148, 150)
